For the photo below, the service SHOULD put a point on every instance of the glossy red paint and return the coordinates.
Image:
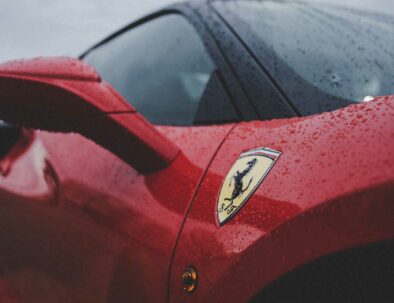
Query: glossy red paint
(87, 227)
(331, 189)
(55, 68)
(72, 98)
(78, 223)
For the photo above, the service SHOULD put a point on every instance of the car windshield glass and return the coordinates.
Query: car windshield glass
(322, 57)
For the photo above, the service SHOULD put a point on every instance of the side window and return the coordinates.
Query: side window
(163, 69)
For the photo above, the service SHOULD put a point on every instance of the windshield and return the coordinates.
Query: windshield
(322, 57)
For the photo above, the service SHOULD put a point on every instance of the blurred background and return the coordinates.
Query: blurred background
(30, 28)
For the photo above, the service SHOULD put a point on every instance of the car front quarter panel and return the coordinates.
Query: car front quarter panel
(332, 188)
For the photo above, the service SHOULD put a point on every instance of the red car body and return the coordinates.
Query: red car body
(79, 224)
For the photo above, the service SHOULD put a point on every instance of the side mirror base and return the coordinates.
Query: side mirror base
(67, 95)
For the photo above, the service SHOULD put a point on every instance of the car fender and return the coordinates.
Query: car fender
(330, 189)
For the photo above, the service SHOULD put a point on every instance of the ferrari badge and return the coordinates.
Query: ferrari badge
(242, 181)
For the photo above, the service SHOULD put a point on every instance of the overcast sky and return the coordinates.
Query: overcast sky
(31, 28)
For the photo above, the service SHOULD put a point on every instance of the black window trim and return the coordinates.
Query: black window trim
(273, 82)
(244, 74)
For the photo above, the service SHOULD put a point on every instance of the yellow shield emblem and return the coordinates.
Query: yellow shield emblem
(242, 181)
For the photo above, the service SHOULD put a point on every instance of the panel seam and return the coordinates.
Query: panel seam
(174, 248)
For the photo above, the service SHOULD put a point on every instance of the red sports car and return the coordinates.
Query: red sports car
(214, 151)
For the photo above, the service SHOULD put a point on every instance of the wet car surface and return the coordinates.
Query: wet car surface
(117, 168)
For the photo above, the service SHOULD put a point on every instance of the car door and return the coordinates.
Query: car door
(78, 224)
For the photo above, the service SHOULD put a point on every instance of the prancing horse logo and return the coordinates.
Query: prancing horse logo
(242, 180)
(238, 184)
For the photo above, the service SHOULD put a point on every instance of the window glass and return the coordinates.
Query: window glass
(161, 67)
(322, 56)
